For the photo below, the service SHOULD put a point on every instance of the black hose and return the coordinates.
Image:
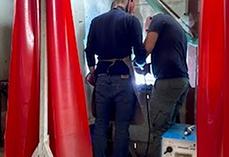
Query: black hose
(148, 119)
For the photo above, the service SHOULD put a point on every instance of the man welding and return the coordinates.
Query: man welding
(167, 43)
(112, 36)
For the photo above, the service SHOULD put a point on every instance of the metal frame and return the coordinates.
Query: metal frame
(186, 27)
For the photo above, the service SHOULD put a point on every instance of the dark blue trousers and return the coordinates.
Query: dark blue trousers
(114, 95)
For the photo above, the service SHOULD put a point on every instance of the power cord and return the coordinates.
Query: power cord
(147, 98)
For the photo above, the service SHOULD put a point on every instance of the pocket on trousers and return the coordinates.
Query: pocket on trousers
(101, 81)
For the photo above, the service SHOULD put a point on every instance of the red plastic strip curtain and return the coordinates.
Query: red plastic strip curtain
(69, 132)
(211, 80)
(226, 87)
(21, 135)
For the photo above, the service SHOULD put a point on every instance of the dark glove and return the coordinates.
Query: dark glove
(90, 78)
(143, 70)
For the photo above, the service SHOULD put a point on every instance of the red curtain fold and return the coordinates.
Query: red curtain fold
(211, 80)
(21, 135)
(69, 132)
(226, 86)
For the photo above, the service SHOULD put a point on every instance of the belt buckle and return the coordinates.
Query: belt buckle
(125, 76)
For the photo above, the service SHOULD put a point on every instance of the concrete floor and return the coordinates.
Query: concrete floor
(1, 152)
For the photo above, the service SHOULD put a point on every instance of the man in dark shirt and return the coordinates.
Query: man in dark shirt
(167, 43)
(112, 36)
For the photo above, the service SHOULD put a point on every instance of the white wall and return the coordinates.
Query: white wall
(6, 15)
(79, 21)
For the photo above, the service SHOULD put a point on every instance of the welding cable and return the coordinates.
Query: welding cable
(147, 97)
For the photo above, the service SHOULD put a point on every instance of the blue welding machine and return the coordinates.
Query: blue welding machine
(179, 141)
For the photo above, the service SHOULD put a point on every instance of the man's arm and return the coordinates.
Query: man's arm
(150, 41)
(136, 37)
(153, 26)
(90, 49)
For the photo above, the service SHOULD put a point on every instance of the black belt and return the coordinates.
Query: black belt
(126, 76)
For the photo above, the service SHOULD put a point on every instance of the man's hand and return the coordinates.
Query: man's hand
(92, 69)
(90, 78)
(139, 66)
(142, 70)
(148, 22)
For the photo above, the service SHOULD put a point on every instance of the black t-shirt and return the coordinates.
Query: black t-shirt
(170, 51)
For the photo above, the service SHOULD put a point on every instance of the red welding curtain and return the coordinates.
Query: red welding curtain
(69, 133)
(226, 87)
(21, 135)
(68, 125)
(213, 95)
